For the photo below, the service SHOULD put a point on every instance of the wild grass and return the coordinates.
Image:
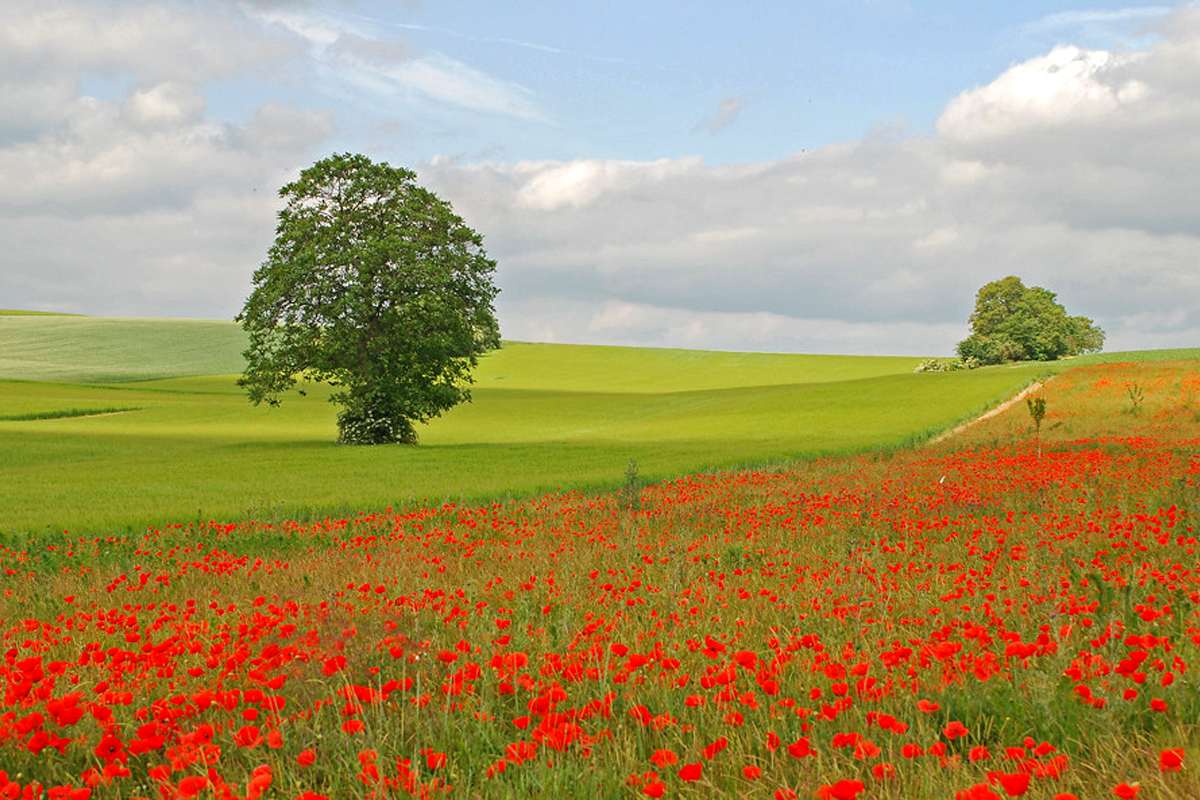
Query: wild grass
(66, 413)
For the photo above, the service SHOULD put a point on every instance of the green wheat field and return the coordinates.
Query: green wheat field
(121, 423)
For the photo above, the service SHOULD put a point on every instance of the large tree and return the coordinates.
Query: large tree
(375, 286)
(1015, 322)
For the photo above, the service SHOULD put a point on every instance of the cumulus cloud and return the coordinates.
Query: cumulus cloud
(1076, 169)
(1066, 87)
(158, 41)
(139, 203)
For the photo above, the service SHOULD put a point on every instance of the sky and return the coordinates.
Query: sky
(834, 177)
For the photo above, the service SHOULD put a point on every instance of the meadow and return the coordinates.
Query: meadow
(990, 616)
(118, 423)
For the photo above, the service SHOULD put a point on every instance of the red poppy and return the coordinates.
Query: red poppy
(1014, 784)
(801, 748)
(654, 789)
(1171, 759)
(954, 730)
(192, 785)
(846, 789)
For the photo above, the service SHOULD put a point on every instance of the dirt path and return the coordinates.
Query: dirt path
(1000, 409)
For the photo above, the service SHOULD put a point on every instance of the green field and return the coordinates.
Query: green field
(98, 350)
(110, 423)
(21, 312)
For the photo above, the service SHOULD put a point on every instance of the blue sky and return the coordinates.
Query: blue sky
(647, 80)
(818, 177)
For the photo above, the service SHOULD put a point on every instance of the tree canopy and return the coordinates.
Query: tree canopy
(375, 286)
(1015, 322)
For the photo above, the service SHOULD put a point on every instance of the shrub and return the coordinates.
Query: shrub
(947, 364)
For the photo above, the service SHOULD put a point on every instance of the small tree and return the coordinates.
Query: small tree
(1037, 410)
(1015, 322)
(375, 286)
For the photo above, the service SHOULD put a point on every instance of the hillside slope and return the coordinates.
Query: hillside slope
(108, 350)
(100, 449)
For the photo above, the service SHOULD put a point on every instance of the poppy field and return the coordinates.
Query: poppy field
(1003, 614)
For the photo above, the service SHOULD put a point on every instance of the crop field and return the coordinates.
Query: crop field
(114, 424)
(997, 615)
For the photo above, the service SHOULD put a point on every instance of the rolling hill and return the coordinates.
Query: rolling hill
(123, 422)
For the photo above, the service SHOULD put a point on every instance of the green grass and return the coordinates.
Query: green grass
(63, 413)
(544, 417)
(21, 312)
(25, 312)
(196, 448)
(100, 350)
(110, 350)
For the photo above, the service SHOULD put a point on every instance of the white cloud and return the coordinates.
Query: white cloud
(1067, 20)
(447, 80)
(1077, 169)
(352, 54)
(168, 103)
(621, 322)
(141, 203)
(575, 184)
(156, 40)
(1068, 85)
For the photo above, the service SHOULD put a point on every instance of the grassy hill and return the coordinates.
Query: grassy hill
(89, 443)
(101, 350)
(108, 350)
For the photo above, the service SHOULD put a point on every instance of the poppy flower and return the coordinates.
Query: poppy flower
(109, 749)
(801, 748)
(846, 789)
(654, 789)
(1014, 784)
(710, 751)
(192, 785)
(1171, 759)
(955, 730)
